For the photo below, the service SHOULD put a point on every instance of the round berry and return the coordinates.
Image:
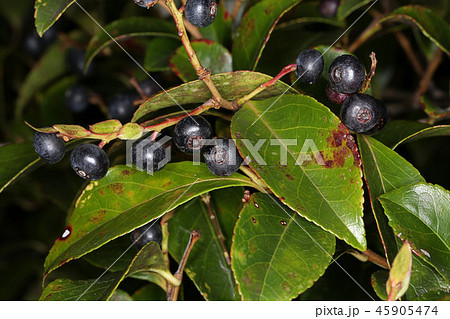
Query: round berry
(381, 123)
(35, 45)
(148, 155)
(309, 66)
(149, 87)
(335, 96)
(362, 113)
(191, 132)
(328, 8)
(346, 74)
(77, 98)
(75, 60)
(145, 3)
(201, 13)
(121, 107)
(89, 161)
(223, 158)
(49, 147)
(143, 235)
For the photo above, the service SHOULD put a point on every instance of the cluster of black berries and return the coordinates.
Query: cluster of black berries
(88, 161)
(191, 134)
(360, 113)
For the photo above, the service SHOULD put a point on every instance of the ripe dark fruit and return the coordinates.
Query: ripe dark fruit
(201, 13)
(363, 114)
(75, 60)
(121, 107)
(35, 45)
(346, 74)
(334, 96)
(77, 98)
(143, 235)
(89, 161)
(148, 155)
(49, 147)
(328, 8)
(191, 132)
(223, 158)
(149, 87)
(145, 3)
(309, 66)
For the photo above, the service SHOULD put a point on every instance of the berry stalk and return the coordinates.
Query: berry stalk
(202, 73)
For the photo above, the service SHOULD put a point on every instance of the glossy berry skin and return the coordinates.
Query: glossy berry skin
(346, 74)
(363, 114)
(89, 161)
(328, 8)
(143, 235)
(77, 98)
(191, 132)
(335, 96)
(222, 158)
(75, 60)
(121, 107)
(201, 13)
(49, 147)
(148, 155)
(309, 66)
(145, 3)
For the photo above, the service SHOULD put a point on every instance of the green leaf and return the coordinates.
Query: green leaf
(120, 295)
(378, 281)
(347, 7)
(158, 54)
(48, 12)
(150, 293)
(315, 169)
(431, 25)
(206, 265)
(222, 28)
(126, 28)
(51, 66)
(384, 171)
(400, 274)
(126, 199)
(426, 283)
(277, 254)
(231, 85)
(213, 56)
(255, 29)
(420, 214)
(15, 159)
(434, 131)
(148, 259)
(434, 111)
(397, 130)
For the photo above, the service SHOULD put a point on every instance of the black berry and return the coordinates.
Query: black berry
(191, 132)
(145, 3)
(335, 96)
(201, 13)
(77, 98)
(328, 8)
(309, 66)
(148, 155)
(75, 60)
(363, 114)
(223, 158)
(149, 87)
(121, 107)
(143, 235)
(89, 161)
(49, 147)
(34, 45)
(346, 74)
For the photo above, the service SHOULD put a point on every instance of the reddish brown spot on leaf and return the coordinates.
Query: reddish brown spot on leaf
(97, 218)
(66, 233)
(254, 221)
(117, 188)
(290, 177)
(283, 223)
(125, 172)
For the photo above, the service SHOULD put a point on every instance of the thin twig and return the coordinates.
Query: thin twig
(373, 28)
(428, 76)
(369, 255)
(193, 30)
(409, 51)
(202, 73)
(371, 73)
(138, 88)
(286, 70)
(194, 237)
(207, 200)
